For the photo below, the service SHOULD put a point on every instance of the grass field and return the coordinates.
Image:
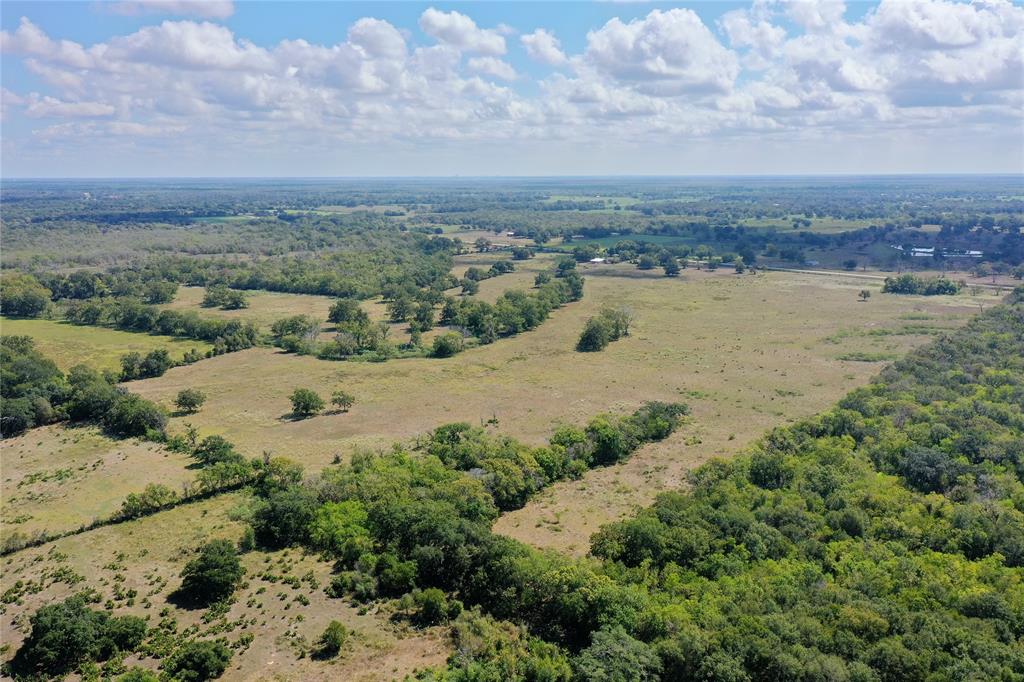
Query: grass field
(102, 348)
(147, 555)
(747, 352)
(57, 478)
(265, 307)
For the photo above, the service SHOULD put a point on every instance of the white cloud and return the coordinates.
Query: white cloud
(816, 15)
(207, 9)
(663, 77)
(37, 106)
(458, 30)
(543, 46)
(492, 66)
(189, 45)
(745, 30)
(665, 52)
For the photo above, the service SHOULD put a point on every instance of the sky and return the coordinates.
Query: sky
(169, 88)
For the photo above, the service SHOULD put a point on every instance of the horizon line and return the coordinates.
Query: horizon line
(517, 177)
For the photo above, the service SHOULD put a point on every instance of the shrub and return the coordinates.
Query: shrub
(330, 642)
(447, 345)
(198, 661)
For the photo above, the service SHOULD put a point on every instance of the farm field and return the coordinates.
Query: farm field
(746, 352)
(69, 345)
(147, 555)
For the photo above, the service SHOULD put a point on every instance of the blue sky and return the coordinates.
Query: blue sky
(176, 87)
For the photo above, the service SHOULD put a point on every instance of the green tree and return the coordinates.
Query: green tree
(198, 661)
(595, 336)
(343, 400)
(332, 640)
(340, 529)
(306, 403)
(213, 575)
(864, 294)
(615, 656)
(190, 400)
(23, 296)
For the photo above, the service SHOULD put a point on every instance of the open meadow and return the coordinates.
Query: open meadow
(746, 352)
(265, 307)
(69, 345)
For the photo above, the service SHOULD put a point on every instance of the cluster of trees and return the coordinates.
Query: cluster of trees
(512, 472)
(66, 634)
(909, 487)
(153, 364)
(219, 296)
(23, 296)
(923, 286)
(69, 636)
(400, 523)
(131, 315)
(514, 311)
(35, 392)
(147, 286)
(611, 324)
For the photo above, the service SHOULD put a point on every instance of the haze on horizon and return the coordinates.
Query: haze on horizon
(173, 88)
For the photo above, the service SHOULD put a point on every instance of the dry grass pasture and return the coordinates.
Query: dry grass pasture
(68, 344)
(57, 478)
(747, 352)
(282, 600)
(265, 307)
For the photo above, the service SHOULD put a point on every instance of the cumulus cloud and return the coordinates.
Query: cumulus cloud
(458, 30)
(37, 106)
(543, 46)
(493, 66)
(789, 67)
(666, 52)
(207, 9)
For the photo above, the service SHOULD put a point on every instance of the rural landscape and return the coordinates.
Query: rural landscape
(474, 410)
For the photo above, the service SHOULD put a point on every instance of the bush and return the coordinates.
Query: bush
(447, 345)
(213, 575)
(198, 661)
(156, 496)
(330, 642)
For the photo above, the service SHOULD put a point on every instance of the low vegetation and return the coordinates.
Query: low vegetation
(922, 286)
